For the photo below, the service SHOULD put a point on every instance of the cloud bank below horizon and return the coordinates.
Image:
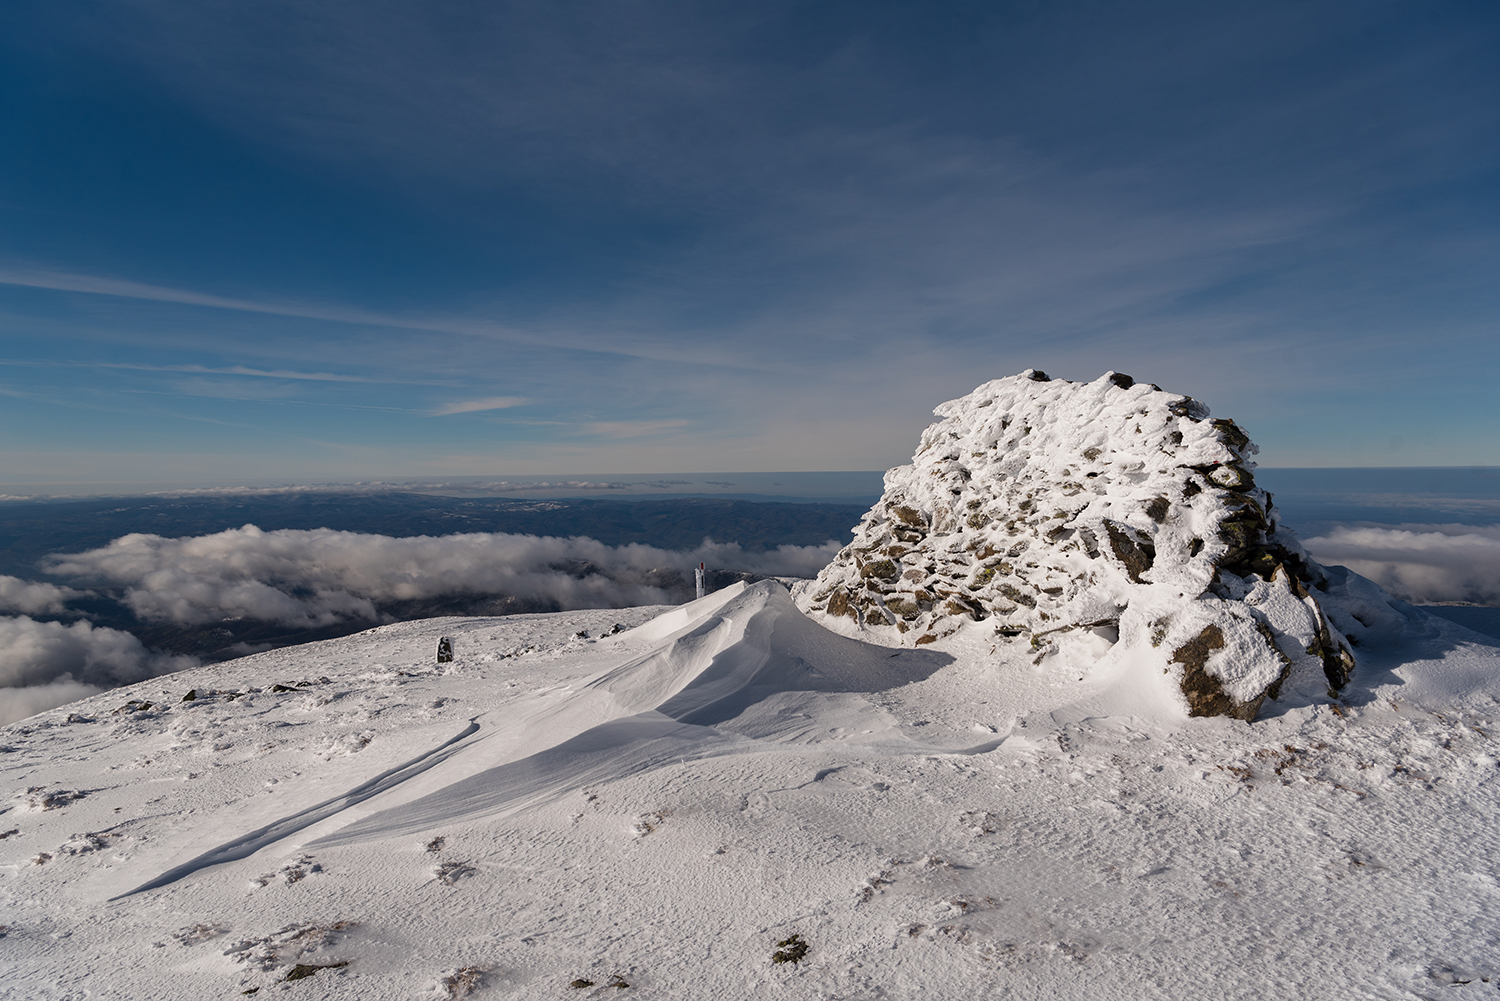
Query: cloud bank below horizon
(317, 578)
(1423, 564)
(48, 664)
(306, 579)
(33, 598)
(321, 577)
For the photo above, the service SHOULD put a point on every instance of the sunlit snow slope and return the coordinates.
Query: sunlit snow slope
(661, 806)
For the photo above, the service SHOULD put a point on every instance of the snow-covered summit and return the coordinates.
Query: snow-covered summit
(1081, 518)
(587, 804)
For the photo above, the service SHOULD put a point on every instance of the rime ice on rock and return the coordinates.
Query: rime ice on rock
(1069, 516)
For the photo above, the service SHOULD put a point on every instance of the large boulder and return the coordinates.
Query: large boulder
(1060, 518)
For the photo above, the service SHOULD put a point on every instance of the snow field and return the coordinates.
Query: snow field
(659, 808)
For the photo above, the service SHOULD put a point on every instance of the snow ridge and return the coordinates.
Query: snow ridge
(1071, 515)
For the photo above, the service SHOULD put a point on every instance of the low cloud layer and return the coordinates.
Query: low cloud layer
(479, 487)
(31, 598)
(18, 703)
(313, 579)
(1420, 563)
(47, 664)
(322, 577)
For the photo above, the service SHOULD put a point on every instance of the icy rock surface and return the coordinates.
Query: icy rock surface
(1079, 516)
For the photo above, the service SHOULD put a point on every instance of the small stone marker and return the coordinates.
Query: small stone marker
(445, 651)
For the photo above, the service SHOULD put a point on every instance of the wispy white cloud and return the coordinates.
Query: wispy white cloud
(631, 429)
(63, 281)
(562, 334)
(235, 389)
(242, 370)
(475, 406)
(254, 373)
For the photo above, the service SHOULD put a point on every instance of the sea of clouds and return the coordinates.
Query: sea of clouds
(309, 579)
(47, 664)
(312, 578)
(1423, 564)
(320, 577)
(32, 598)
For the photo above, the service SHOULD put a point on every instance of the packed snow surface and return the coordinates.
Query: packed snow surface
(571, 810)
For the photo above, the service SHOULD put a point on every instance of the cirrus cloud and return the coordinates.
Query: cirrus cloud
(476, 406)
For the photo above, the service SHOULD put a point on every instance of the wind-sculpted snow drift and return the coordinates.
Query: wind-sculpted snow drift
(1054, 513)
(714, 677)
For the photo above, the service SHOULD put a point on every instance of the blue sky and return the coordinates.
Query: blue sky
(287, 241)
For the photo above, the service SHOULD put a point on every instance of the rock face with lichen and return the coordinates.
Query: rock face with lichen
(1074, 518)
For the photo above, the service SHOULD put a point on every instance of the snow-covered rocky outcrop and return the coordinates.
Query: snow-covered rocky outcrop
(1079, 517)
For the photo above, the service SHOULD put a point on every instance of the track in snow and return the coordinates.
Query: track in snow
(249, 844)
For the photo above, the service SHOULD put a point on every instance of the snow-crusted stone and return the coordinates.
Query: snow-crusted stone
(1049, 510)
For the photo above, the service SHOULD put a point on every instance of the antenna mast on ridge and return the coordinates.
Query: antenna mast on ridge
(698, 578)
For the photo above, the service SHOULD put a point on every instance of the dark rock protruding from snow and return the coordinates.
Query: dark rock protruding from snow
(1091, 521)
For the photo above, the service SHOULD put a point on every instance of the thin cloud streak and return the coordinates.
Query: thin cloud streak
(631, 429)
(189, 369)
(476, 406)
(553, 339)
